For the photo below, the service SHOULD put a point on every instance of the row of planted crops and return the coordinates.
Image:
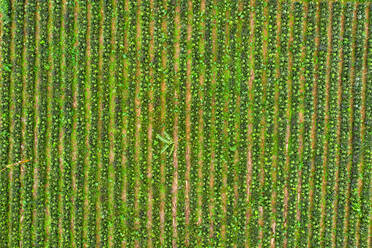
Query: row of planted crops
(193, 123)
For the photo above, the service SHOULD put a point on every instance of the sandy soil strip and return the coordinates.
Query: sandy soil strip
(163, 111)
(274, 174)
(177, 51)
(213, 126)
(288, 127)
(74, 145)
(23, 121)
(250, 125)
(200, 185)
(99, 204)
(88, 124)
(61, 128)
(137, 103)
(124, 158)
(225, 135)
(37, 115)
(188, 122)
(237, 119)
(49, 121)
(150, 199)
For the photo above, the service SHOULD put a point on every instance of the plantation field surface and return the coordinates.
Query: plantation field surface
(185, 123)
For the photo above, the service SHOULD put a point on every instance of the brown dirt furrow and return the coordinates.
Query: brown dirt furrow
(61, 129)
(74, 123)
(350, 131)
(25, 97)
(100, 120)
(150, 128)
(361, 166)
(124, 131)
(111, 129)
(163, 110)
(49, 119)
(211, 204)
(237, 122)
(188, 122)
(338, 133)
(177, 51)
(326, 127)
(250, 126)
(288, 128)
(88, 123)
(199, 208)
(37, 110)
(225, 134)
(138, 124)
(276, 129)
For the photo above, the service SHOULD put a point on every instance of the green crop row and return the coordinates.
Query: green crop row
(5, 75)
(16, 92)
(29, 116)
(41, 62)
(94, 153)
(81, 135)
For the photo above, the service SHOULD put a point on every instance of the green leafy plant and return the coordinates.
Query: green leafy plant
(168, 142)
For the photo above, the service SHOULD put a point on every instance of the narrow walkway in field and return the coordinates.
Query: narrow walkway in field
(150, 200)
(177, 37)
(212, 165)
(100, 83)
(234, 235)
(124, 131)
(61, 143)
(49, 128)
(88, 125)
(252, 21)
(163, 111)
(137, 144)
(201, 124)
(288, 128)
(37, 172)
(188, 121)
(225, 124)
(74, 145)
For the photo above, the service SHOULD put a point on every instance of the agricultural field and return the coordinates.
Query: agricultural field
(185, 123)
